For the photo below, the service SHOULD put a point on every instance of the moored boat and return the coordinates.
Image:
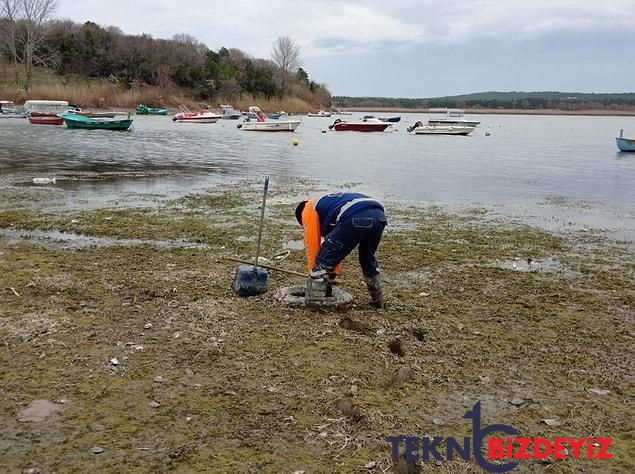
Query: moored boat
(343, 112)
(625, 144)
(143, 109)
(202, 116)
(371, 124)
(95, 123)
(229, 112)
(320, 113)
(420, 129)
(8, 110)
(263, 124)
(37, 118)
(450, 117)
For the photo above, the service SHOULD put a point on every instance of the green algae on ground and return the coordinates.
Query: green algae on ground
(252, 386)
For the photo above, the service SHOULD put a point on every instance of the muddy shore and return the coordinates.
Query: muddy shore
(124, 320)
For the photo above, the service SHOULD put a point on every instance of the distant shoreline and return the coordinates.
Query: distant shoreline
(596, 113)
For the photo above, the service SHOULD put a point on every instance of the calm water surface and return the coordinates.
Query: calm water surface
(525, 160)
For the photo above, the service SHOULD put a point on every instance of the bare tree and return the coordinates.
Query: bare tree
(286, 54)
(8, 32)
(35, 14)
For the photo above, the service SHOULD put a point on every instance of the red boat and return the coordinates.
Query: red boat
(365, 125)
(45, 119)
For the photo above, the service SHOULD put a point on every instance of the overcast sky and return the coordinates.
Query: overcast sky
(408, 48)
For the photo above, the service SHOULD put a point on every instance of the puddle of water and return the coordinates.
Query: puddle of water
(69, 240)
(530, 265)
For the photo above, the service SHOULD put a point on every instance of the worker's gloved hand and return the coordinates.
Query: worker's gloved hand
(375, 290)
(316, 288)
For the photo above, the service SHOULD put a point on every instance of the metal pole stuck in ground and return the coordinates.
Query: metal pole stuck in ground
(251, 280)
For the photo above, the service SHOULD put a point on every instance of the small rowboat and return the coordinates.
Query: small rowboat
(625, 144)
(419, 129)
(37, 118)
(143, 109)
(202, 116)
(263, 124)
(93, 123)
(365, 125)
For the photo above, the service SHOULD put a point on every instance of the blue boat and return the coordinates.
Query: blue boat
(625, 144)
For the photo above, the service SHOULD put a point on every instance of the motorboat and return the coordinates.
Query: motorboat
(95, 123)
(389, 119)
(625, 144)
(202, 116)
(370, 124)
(229, 112)
(450, 117)
(342, 112)
(263, 124)
(319, 113)
(8, 110)
(420, 129)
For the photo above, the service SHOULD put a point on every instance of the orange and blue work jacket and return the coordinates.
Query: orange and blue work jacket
(321, 215)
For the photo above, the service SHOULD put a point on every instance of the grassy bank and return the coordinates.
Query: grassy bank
(92, 93)
(206, 381)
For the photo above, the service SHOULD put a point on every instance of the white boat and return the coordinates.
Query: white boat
(450, 117)
(45, 107)
(229, 112)
(263, 124)
(319, 113)
(8, 110)
(202, 116)
(420, 129)
(342, 112)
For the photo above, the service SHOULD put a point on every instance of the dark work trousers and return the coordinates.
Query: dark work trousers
(363, 228)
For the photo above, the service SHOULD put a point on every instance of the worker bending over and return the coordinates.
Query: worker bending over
(344, 221)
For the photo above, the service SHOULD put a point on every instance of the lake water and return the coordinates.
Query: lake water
(524, 162)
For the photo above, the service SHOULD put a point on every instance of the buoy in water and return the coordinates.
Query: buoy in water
(295, 142)
(487, 134)
(324, 130)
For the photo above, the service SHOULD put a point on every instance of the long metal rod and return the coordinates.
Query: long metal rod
(262, 220)
(268, 267)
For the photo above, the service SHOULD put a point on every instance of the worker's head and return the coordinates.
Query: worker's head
(299, 210)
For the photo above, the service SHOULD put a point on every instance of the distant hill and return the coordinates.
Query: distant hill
(502, 100)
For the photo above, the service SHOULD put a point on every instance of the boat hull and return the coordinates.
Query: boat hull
(46, 120)
(443, 130)
(465, 123)
(361, 127)
(625, 144)
(281, 126)
(89, 123)
(196, 120)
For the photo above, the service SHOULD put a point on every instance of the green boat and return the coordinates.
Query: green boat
(143, 109)
(81, 121)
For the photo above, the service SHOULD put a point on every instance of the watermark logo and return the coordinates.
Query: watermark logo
(501, 454)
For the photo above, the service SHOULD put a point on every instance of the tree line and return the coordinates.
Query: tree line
(570, 101)
(30, 38)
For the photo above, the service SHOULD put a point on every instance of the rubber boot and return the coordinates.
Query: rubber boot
(316, 289)
(375, 290)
